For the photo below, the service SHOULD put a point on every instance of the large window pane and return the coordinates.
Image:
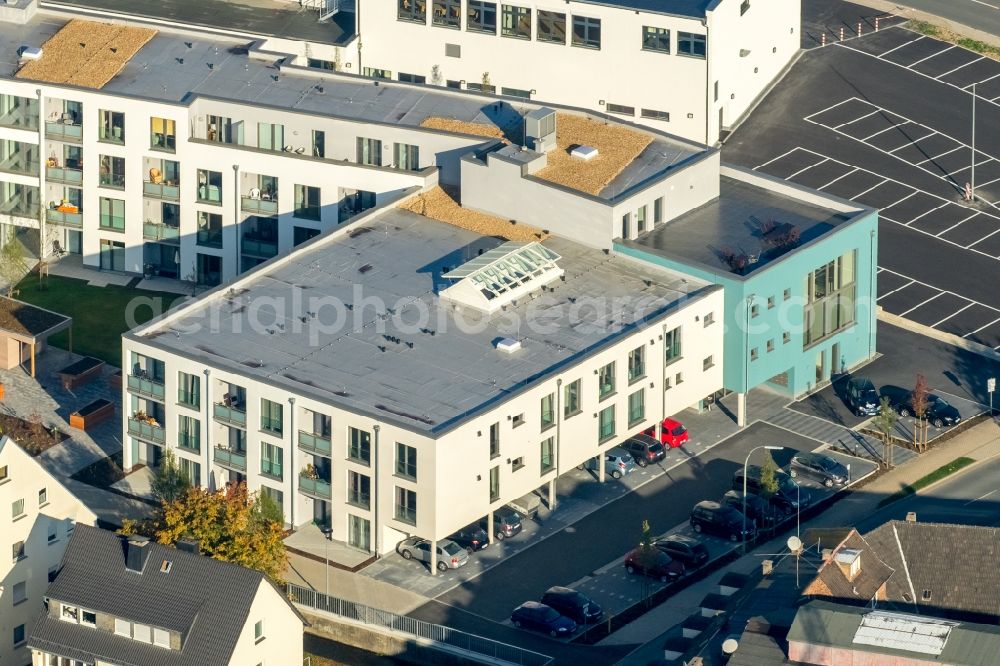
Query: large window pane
(516, 22)
(551, 27)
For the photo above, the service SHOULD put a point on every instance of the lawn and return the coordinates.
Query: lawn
(924, 481)
(99, 313)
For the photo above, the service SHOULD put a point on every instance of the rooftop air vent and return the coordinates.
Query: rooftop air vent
(585, 153)
(540, 129)
(31, 53)
(508, 345)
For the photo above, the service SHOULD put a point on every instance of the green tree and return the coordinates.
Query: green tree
(885, 423)
(647, 556)
(169, 482)
(13, 265)
(768, 477)
(920, 401)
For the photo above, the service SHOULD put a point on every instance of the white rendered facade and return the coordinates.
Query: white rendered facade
(703, 70)
(38, 515)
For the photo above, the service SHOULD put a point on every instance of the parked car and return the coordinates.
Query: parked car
(655, 564)
(617, 462)
(861, 397)
(691, 552)
(533, 615)
(574, 605)
(672, 433)
(789, 497)
(724, 521)
(471, 538)
(644, 450)
(506, 523)
(826, 469)
(449, 554)
(939, 412)
(758, 509)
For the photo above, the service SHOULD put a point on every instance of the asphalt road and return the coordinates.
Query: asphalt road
(980, 14)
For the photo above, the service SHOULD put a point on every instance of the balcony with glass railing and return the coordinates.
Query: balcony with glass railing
(19, 112)
(65, 175)
(259, 205)
(65, 219)
(171, 192)
(314, 443)
(231, 458)
(230, 414)
(64, 130)
(255, 245)
(19, 205)
(157, 231)
(150, 432)
(146, 387)
(317, 488)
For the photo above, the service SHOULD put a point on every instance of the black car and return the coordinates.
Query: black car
(758, 509)
(534, 615)
(573, 605)
(644, 449)
(471, 538)
(506, 523)
(939, 412)
(826, 469)
(724, 521)
(691, 552)
(861, 396)
(789, 496)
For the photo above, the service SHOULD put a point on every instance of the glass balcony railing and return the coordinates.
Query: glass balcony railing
(259, 248)
(161, 190)
(18, 207)
(53, 216)
(64, 131)
(261, 206)
(160, 232)
(236, 460)
(21, 118)
(147, 431)
(64, 175)
(146, 387)
(315, 487)
(271, 468)
(230, 415)
(315, 443)
(115, 180)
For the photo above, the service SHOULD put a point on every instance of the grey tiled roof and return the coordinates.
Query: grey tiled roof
(206, 600)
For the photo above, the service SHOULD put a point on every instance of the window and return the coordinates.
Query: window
(481, 87)
(271, 416)
(551, 27)
(271, 460)
(494, 483)
(123, 628)
(516, 92)
(3, 473)
(620, 109)
(190, 470)
(626, 224)
(270, 136)
(88, 618)
(571, 399)
(606, 424)
(786, 295)
(112, 214)
(412, 10)
(258, 631)
(359, 445)
(406, 157)
(111, 126)
(494, 440)
(411, 78)
(447, 13)
(640, 219)
(715, 93)
(302, 234)
(482, 17)
(20, 592)
(657, 209)
(548, 411)
(709, 319)
(369, 151)
(188, 433)
(359, 489)
(636, 364)
(830, 297)
(112, 172)
(19, 635)
(517, 420)
(606, 381)
(754, 310)
(679, 378)
(770, 302)
(209, 186)
(189, 390)
(318, 143)
(708, 363)
(17, 508)
(375, 73)
(770, 345)
(406, 461)
(69, 613)
(636, 407)
(53, 573)
(51, 532)
(548, 459)
(667, 383)
(655, 39)
(653, 114)
(672, 345)
(161, 637)
(586, 32)
(162, 134)
(43, 497)
(517, 463)
(754, 354)
(209, 229)
(307, 204)
(515, 22)
(744, 7)
(688, 43)
(786, 337)
(406, 505)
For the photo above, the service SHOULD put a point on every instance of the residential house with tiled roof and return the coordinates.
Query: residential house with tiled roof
(132, 602)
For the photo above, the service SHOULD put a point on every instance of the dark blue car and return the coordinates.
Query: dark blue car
(533, 615)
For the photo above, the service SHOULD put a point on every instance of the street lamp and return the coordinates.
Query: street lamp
(745, 463)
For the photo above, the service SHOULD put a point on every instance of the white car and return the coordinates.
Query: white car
(449, 554)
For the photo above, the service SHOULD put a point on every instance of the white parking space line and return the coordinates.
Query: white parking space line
(831, 107)
(912, 41)
(761, 166)
(913, 64)
(986, 80)
(992, 233)
(825, 159)
(931, 159)
(870, 136)
(873, 188)
(959, 67)
(955, 225)
(913, 142)
(927, 213)
(838, 178)
(989, 182)
(920, 304)
(981, 327)
(911, 194)
(981, 497)
(935, 325)
(889, 293)
(850, 122)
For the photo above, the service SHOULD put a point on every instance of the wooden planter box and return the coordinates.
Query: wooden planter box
(115, 381)
(80, 372)
(96, 412)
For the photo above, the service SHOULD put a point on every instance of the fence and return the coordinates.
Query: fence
(485, 647)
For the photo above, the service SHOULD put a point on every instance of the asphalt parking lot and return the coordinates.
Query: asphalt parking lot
(885, 120)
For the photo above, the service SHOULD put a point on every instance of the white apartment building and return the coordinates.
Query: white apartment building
(688, 67)
(390, 379)
(38, 517)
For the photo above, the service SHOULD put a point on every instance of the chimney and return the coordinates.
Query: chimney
(849, 562)
(911, 516)
(136, 553)
(189, 546)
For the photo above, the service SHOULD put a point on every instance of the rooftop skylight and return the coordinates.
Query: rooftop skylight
(501, 275)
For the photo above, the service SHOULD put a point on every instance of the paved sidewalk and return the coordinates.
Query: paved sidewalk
(981, 442)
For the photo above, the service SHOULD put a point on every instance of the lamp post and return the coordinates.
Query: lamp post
(745, 464)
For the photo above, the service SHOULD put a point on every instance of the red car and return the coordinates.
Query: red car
(654, 563)
(674, 433)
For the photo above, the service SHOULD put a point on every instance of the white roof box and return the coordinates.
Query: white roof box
(31, 53)
(508, 345)
(585, 153)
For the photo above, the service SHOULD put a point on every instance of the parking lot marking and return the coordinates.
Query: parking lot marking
(825, 159)
(870, 136)
(935, 325)
(897, 288)
(955, 225)
(912, 41)
(873, 188)
(832, 106)
(984, 238)
(761, 166)
(981, 328)
(839, 177)
(912, 142)
(867, 115)
(941, 292)
(986, 80)
(911, 194)
(927, 213)
(959, 67)
(931, 159)
(903, 314)
(913, 64)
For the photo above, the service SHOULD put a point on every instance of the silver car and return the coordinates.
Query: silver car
(449, 554)
(617, 462)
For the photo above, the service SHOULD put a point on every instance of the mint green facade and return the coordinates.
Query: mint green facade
(771, 344)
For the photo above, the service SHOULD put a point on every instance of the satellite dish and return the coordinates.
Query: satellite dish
(729, 646)
(794, 544)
